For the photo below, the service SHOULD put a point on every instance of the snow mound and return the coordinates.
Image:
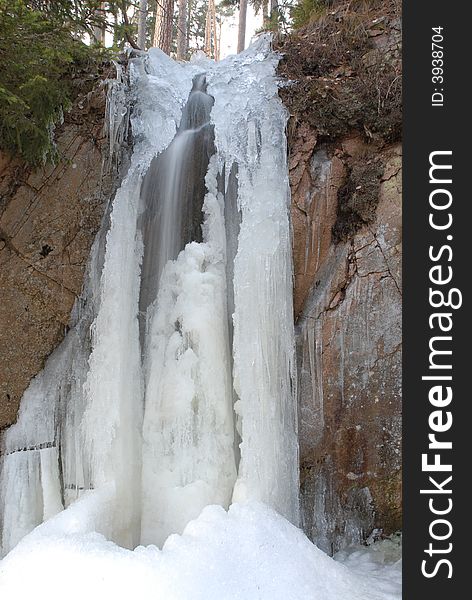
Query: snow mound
(247, 553)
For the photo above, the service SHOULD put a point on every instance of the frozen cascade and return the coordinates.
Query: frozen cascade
(188, 458)
(173, 389)
(263, 346)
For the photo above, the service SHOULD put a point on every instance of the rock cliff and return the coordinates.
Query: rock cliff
(48, 221)
(345, 176)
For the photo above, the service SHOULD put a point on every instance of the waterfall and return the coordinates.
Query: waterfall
(188, 458)
(174, 388)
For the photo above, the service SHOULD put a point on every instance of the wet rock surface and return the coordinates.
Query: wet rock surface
(349, 366)
(346, 217)
(48, 221)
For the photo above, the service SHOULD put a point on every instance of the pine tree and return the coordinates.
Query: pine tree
(182, 31)
(242, 25)
(100, 28)
(274, 14)
(164, 25)
(265, 12)
(142, 18)
(41, 52)
(212, 42)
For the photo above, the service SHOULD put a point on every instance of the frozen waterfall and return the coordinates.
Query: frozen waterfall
(174, 388)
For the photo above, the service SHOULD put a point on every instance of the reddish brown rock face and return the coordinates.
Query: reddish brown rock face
(344, 102)
(48, 221)
(348, 309)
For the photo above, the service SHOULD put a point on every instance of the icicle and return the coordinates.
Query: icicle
(116, 114)
(250, 133)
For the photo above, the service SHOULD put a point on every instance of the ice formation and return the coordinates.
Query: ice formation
(247, 553)
(173, 392)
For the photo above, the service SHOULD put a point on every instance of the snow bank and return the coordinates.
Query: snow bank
(247, 553)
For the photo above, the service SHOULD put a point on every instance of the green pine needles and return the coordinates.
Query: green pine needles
(38, 55)
(305, 11)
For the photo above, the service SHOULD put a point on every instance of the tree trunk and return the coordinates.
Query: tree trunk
(216, 50)
(220, 26)
(163, 29)
(242, 25)
(190, 9)
(143, 7)
(212, 46)
(99, 30)
(265, 12)
(274, 14)
(182, 31)
(207, 43)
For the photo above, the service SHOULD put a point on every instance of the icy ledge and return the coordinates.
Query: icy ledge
(247, 553)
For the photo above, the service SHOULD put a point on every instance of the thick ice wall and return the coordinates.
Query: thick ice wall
(114, 387)
(188, 427)
(250, 133)
(90, 433)
(44, 467)
(185, 424)
(195, 366)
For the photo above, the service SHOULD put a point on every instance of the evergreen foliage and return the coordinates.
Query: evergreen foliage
(305, 11)
(38, 53)
(42, 46)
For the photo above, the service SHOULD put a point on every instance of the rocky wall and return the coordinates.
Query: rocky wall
(48, 221)
(348, 328)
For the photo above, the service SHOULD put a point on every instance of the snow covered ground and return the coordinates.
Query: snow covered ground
(247, 553)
